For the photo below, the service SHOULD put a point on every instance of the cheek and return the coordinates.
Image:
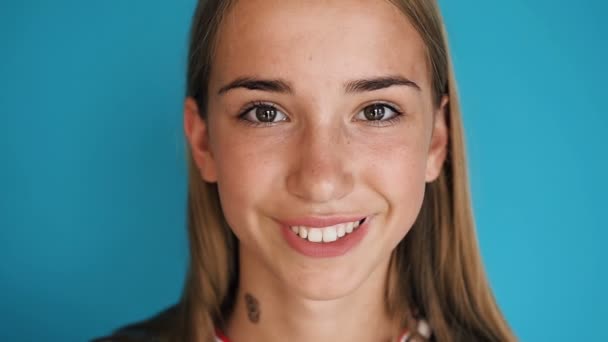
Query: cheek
(395, 159)
(395, 170)
(247, 174)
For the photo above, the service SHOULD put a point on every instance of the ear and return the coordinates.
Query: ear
(198, 138)
(439, 142)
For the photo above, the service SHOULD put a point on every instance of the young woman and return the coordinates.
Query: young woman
(328, 196)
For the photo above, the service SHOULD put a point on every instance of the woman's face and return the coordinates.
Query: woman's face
(319, 113)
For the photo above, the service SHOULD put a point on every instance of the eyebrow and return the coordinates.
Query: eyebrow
(282, 86)
(251, 83)
(377, 83)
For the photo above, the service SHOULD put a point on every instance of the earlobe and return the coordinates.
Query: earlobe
(196, 132)
(439, 142)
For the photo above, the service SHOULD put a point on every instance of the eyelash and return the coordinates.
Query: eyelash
(378, 123)
(254, 105)
(389, 122)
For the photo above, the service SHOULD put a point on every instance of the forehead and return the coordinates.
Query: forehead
(318, 40)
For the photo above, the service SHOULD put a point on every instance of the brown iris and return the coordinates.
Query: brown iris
(265, 113)
(374, 112)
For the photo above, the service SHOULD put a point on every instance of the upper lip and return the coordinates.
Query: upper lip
(321, 221)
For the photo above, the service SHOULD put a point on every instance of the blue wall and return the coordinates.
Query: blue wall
(92, 177)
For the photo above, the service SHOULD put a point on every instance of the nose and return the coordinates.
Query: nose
(320, 169)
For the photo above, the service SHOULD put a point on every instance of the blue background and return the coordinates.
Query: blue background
(92, 177)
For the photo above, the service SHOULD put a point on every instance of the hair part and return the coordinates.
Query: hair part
(435, 271)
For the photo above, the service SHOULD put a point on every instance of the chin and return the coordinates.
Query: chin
(325, 284)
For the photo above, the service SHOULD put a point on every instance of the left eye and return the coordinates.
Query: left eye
(377, 112)
(264, 113)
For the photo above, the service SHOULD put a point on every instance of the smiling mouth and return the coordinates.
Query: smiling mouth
(326, 234)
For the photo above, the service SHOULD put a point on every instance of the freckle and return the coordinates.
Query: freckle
(310, 57)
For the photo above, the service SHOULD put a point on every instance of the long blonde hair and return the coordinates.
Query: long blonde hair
(436, 270)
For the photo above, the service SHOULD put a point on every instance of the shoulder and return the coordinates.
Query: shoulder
(153, 329)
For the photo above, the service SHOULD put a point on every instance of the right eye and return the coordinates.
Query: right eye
(263, 114)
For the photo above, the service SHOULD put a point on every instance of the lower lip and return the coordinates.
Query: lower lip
(326, 249)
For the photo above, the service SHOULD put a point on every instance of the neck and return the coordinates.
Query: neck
(266, 311)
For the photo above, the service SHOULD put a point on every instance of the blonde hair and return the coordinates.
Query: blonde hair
(436, 270)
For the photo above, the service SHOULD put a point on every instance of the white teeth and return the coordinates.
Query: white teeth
(315, 235)
(303, 232)
(330, 234)
(349, 227)
(341, 230)
(325, 234)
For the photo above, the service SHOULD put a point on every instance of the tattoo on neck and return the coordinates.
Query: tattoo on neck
(253, 308)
